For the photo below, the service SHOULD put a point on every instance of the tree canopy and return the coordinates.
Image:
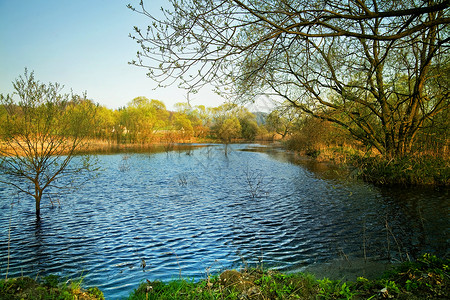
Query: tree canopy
(377, 68)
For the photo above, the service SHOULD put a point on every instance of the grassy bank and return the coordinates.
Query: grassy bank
(49, 287)
(412, 170)
(426, 278)
(415, 169)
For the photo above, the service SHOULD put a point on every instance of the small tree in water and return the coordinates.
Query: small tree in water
(41, 133)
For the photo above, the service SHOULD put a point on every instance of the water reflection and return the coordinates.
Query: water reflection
(199, 211)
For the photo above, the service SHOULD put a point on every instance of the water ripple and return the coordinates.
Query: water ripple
(200, 213)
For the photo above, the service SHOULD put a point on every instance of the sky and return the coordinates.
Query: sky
(83, 45)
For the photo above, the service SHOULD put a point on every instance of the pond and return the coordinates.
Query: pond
(195, 212)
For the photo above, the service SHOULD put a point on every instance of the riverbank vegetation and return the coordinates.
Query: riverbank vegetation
(427, 164)
(426, 278)
(49, 287)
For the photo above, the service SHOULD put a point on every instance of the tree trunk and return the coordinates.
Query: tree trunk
(38, 207)
(37, 197)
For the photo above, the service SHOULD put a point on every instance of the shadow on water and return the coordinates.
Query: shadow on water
(195, 210)
(416, 221)
(413, 220)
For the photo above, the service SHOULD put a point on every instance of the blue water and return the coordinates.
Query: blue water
(194, 212)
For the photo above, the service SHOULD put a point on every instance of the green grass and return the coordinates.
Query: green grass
(232, 284)
(49, 287)
(426, 278)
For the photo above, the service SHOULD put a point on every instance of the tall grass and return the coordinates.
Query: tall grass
(408, 170)
(425, 168)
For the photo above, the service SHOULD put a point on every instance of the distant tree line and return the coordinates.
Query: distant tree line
(144, 121)
(149, 121)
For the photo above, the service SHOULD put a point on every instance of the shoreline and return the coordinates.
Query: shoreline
(427, 277)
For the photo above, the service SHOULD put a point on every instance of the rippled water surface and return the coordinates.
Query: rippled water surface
(192, 212)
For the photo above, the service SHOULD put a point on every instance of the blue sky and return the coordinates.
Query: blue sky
(84, 45)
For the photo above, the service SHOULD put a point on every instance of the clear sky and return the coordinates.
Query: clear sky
(83, 45)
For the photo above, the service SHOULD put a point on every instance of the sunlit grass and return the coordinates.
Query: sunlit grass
(427, 278)
(414, 169)
(49, 287)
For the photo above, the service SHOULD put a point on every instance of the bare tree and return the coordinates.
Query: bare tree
(374, 67)
(41, 134)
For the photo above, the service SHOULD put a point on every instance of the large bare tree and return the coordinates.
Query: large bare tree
(376, 67)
